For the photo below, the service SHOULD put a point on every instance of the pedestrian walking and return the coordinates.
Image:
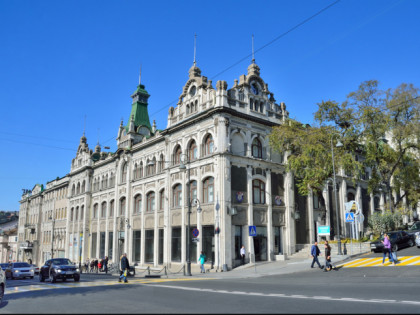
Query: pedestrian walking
(315, 253)
(124, 268)
(96, 265)
(387, 249)
(92, 265)
(242, 253)
(106, 264)
(201, 260)
(328, 265)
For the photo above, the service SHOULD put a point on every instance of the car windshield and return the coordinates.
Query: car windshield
(62, 261)
(415, 226)
(21, 265)
(393, 237)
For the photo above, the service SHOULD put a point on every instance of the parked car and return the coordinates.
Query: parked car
(59, 268)
(399, 239)
(4, 266)
(414, 228)
(2, 284)
(36, 269)
(19, 270)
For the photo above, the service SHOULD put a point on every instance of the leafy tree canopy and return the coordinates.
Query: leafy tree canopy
(379, 130)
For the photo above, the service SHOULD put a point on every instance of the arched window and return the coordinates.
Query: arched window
(177, 155)
(122, 206)
(103, 210)
(256, 148)
(195, 105)
(150, 202)
(161, 164)
(177, 196)
(193, 189)
(258, 191)
(82, 212)
(83, 186)
(77, 214)
(350, 196)
(124, 173)
(112, 179)
(208, 190)
(95, 211)
(78, 188)
(162, 199)
(188, 109)
(208, 145)
(141, 169)
(262, 107)
(192, 151)
(137, 203)
(71, 214)
(251, 103)
(73, 190)
(111, 208)
(135, 171)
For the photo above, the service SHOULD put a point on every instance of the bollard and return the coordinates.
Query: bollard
(148, 270)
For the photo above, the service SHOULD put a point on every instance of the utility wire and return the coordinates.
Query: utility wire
(262, 47)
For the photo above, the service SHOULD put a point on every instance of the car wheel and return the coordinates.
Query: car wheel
(53, 278)
(41, 278)
(76, 278)
(410, 243)
(395, 248)
(1, 292)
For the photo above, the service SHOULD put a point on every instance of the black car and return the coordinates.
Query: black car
(414, 228)
(399, 239)
(59, 268)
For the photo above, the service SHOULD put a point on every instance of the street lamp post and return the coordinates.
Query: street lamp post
(183, 167)
(339, 144)
(52, 236)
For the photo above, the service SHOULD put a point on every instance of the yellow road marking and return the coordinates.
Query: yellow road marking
(377, 262)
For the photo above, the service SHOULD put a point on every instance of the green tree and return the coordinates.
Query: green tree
(361, 123)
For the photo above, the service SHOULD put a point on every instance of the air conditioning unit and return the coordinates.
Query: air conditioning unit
(233, 211)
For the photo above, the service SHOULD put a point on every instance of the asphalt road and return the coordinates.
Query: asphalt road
(349, 290)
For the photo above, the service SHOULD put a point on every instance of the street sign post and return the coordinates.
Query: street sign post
(195, 239)
(349, 217)
(252, 230)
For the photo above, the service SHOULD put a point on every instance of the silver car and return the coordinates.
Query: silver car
(418, 239)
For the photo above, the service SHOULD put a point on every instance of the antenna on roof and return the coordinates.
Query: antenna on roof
(140, 75)
(195, 46)
(253, 55)
(84, 126)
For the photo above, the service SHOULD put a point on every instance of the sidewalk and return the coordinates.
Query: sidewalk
(261, 269)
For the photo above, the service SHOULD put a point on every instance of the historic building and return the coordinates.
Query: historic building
(213, 154)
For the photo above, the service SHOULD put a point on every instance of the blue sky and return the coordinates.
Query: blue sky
(63, 60)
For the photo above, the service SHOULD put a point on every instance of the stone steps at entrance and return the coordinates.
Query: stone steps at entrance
(304, 252)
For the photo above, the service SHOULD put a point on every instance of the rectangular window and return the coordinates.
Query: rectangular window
(176, 244)
(136, 245)
(160, 257)
(149, 246)
(93, 248)
(316, 202)
(110, 244)
(102, 245)
(193, 246)
(208, 243)
(238, 241)
(277, 240)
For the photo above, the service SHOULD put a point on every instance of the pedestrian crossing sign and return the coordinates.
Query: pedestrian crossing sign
(350, 217)
(252, 230)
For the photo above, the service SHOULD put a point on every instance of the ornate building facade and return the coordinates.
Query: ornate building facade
(213, 154)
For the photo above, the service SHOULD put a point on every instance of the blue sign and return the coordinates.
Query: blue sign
(350, 217)
(195, 232)
(252, 230)
(324, 230)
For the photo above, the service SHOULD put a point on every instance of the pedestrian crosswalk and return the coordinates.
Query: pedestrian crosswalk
(68, 285)
(377, 262)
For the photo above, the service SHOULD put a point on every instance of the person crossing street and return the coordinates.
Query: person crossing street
(315, 253)
(124, 268)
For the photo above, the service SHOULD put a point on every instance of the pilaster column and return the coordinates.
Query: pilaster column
(270, 232)
(325, 195)
(250, 212)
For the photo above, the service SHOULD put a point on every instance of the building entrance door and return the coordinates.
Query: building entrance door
(260, 244)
